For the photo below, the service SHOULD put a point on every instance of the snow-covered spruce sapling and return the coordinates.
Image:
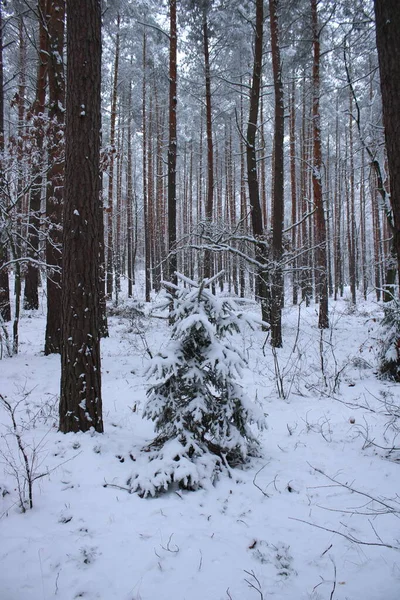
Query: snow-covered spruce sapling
(201, 413)
(389, 358)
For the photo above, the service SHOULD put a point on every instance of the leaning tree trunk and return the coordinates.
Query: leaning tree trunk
(80, 400)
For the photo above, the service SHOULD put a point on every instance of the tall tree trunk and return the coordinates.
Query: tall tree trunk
(129, 199)
(254, 196)
(119, 217)
(337, 225)
(351, 206)
(320, 229)
(147, 276)
(56, 173)
(158, 241)
(150, 187)
(5, 305)
(278, 197)
(376, 233)
(210, 146)
(363, 229)
(306, 277)
(293, 184)
(387, 18)
(172, 144)
(243, 202)
(31, 294)
(263, 166)
(80, 399)
(21, 207)
(110, 206)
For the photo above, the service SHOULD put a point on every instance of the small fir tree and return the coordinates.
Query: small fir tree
(200, 410)
(389, 367)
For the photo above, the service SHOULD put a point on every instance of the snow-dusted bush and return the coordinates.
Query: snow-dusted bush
(389, 366)
(200, 410)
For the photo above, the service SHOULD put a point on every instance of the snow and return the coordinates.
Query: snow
(254, 535)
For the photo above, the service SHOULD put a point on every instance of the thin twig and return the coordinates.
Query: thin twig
(256, 485)
(347, 537)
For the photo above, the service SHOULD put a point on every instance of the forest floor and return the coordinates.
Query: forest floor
(316, 517)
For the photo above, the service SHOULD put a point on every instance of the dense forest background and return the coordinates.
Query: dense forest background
(193, 138)
(327, 140)
(200, 215)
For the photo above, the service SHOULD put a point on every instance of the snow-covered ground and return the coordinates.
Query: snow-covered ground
(281, 528)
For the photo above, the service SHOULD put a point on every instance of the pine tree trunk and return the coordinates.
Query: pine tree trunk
(5, 305)
(243, 202)
(31, 293)
(147, 276)
(387, 18)
(305, 278)
(55, 175)
(210, 147)
(278, 195)
(118, 225)
(363, 253)
(352, 216)
(19, 245)
(80, 398)
(293, 184)
(172, 144)
(110, 205)
(150, 188)
(320, 229)
(254, 196)
(129, 199)
(337, 225)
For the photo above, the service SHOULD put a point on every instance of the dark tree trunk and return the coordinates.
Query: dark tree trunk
(210, 147)
(387, 17)
(352, 211)
(56, 173)
(129, 199)
(172, 145)
(320, 225)
(145, 194)
(293, 184)
(277, 197)
(110, 207)
(254, 195)
(80, 401)
(243, 203)
(118, 225)
(31, 294)
(161, 238)
(337, 225)
(5, 306)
